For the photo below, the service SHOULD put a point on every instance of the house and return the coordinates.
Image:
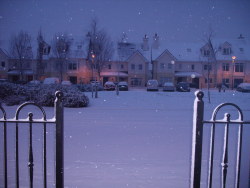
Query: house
(4, 64)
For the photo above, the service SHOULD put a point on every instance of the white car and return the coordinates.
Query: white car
(152, 85)
(168, 86)
(51, 80)
(66, 83)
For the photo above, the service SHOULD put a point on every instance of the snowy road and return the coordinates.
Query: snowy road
(138, 139)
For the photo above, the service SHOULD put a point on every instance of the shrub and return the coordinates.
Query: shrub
(42, 94)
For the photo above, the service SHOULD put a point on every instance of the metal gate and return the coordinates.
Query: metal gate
(57, 120)
(198, 125)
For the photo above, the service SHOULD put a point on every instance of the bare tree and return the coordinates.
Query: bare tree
(20, 48)
(61, 48)
(211, 60)
(42, 49)
(100, 48)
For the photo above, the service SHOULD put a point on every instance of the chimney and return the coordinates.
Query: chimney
(155, 43)
(145, 46)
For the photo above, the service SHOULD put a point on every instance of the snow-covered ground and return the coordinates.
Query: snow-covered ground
(138, 139)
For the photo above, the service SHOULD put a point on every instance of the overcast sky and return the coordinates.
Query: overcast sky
(173, 20)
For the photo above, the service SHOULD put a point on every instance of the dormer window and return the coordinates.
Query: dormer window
(226, 51)
(241, 50)
(206, 53)
(79, 47)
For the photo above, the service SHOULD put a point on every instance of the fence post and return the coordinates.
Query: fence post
(59, 140)
(197, 140)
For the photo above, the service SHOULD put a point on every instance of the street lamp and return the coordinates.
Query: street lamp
(93, 58)
(233, 59)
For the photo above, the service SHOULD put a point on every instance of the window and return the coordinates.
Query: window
(225, 66)
(72, 66)
(79, 47)
(239, 67)
(189, 50)
(122, 66)
(109, 66)
(225, 81)
(226, 51)
(241, 50)
(210, 80)
(140, 67)
(206, 53)
(133, 66)
(170, 65)
(206, 67)
(192, 67)
(162, 65)
(3, 64)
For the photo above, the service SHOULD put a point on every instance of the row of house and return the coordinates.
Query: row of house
(228, 62)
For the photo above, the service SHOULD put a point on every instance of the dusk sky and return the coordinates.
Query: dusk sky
(173, 20)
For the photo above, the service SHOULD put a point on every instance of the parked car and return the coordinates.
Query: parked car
(51, 80)
(152, 85)
(243, 87)
(66, 83)
(183, 87)
(96, 84)
(168, 86)
(35, 82)
(109, 86)
(123, 86)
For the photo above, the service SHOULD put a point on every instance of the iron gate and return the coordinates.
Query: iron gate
(198, 123)
(57, 120)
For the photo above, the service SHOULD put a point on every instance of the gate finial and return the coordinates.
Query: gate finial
(59, 95)
(199, 95)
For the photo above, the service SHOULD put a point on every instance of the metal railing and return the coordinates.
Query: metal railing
(198, 125)
(58, 120)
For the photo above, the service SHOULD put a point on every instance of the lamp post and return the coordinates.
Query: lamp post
(233, 59)
(93, 64)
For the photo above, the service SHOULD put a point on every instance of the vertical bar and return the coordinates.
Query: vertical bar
(31, 159)
(211, 157)
(59, 140)
(224, 163)
(17, 158)
(238, 160)
(197, 140)
(5, 155)
(44, 156)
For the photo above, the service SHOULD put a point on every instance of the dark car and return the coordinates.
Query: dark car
(183, 87)
(243, 87)
(123, 86)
